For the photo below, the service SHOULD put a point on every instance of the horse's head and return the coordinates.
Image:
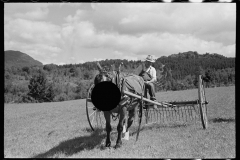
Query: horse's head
(102, 76)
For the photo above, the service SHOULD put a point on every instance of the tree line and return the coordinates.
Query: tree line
(53, 83)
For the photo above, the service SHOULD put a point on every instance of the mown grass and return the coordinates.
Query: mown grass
(61, 130)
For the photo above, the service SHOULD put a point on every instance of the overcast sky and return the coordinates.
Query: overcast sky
(64, 33)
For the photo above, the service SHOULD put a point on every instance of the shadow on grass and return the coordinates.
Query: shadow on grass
(75, 145)
(222, 120)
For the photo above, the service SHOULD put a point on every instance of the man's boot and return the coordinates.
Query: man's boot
(154, 105)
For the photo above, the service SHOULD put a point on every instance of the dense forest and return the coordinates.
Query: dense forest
(52, 83)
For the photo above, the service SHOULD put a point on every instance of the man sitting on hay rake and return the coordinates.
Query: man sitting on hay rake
(149, 75)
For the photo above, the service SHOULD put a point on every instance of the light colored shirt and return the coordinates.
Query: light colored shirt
(152, 71)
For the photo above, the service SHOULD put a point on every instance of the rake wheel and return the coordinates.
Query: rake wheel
(95, 117)
(202, 103)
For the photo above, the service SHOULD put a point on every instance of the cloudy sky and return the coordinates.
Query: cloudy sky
(64, 33)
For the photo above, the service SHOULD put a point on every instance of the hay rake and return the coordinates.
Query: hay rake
(167, 112)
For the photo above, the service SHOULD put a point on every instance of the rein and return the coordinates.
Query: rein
(119, 81)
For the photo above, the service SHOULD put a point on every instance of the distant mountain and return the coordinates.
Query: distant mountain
(19, 59)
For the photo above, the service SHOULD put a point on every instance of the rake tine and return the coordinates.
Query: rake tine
(189, 112)
(197, 110)
(169, 114)
(192, 111)
(183, 114)
(180, 115)
(172, 114)
(146, 115)
(164, 115)
(155, 115)
(150, 116)
(169, 117)
(160, 115)
(186, 115)
(175, 115)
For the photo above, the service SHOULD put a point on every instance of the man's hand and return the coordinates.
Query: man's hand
(146, 82)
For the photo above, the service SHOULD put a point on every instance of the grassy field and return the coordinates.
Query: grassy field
(61, 130)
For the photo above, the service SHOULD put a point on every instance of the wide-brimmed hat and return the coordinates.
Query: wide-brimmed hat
(150, 58)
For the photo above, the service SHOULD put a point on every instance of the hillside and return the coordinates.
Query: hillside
(19, 59)
(72, 81)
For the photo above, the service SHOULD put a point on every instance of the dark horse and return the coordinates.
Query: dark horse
(131, 83)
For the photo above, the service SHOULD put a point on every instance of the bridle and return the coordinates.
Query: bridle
(115, 77)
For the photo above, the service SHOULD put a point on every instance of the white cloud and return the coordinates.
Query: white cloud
(42, 52)
(140, 18)
(32, 32)
(31, 11)
(124, 30)
(129, 19)
(118, 53)
(154, 43)
(98, 59)
(33, 15)
(60, 63)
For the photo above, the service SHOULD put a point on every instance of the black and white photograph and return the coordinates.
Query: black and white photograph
(119, 80)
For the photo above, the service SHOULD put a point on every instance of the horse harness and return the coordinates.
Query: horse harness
(118, 79)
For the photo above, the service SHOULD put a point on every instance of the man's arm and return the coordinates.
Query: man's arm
(154, 76)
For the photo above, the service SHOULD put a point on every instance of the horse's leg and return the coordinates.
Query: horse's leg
(107, 116)
(131, 115)
(120, 127)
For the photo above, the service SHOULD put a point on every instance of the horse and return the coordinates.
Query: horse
(127, 104)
